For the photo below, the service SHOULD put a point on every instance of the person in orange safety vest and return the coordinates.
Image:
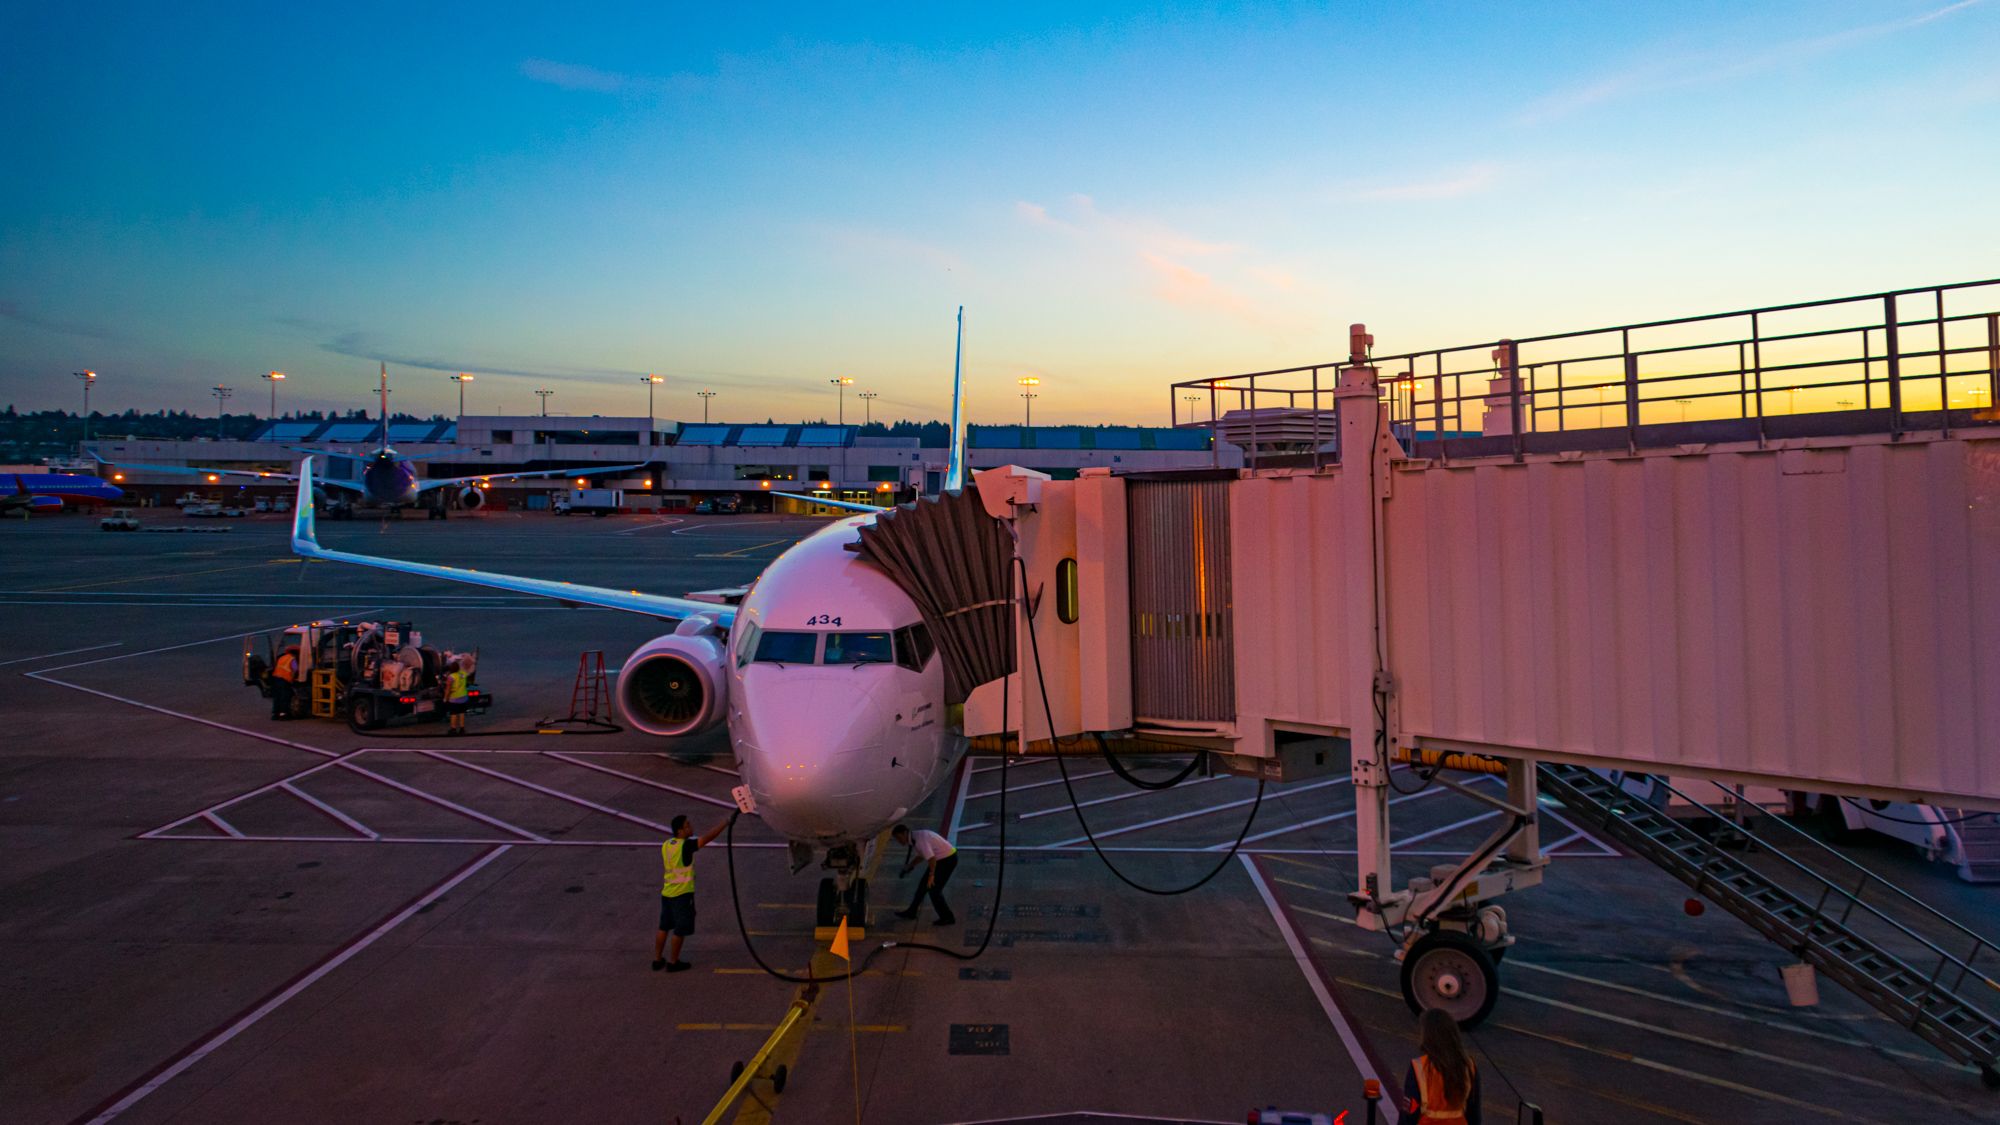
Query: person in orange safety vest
(1442, 1085)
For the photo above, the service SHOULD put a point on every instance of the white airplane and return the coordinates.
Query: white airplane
(825, 673)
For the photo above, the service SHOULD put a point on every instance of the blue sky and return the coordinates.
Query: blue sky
(755, 203)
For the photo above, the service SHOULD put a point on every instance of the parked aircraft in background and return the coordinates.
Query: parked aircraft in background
(48, 492)
(389, 479)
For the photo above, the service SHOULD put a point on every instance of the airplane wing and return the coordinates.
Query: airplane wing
(199, 471)
(580, 470)
(843, 505)
(305, 543)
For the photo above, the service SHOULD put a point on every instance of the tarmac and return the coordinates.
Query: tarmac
(207, 916)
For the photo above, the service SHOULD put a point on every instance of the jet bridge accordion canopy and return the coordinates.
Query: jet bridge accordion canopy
(952, 559)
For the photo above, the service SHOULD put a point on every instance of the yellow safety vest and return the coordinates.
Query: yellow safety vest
(680, 874)
(1430, 1091)
(457, 686)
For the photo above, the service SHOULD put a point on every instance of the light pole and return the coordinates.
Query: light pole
(221, 394)
(1191, 400)
(705, 396)
(1028, 383)
(86, 378)
(461, 379)
(867, 406)
(841, 384)
(545, 401)
(1684, 407)
(274, 378)
(651, 381)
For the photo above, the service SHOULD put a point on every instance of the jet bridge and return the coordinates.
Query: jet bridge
(1758, 548)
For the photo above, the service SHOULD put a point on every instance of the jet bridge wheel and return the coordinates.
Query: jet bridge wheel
(1449, 970)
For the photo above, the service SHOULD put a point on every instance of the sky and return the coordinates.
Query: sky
(754, 203)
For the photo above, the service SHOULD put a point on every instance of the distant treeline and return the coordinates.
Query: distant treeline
(35, 434)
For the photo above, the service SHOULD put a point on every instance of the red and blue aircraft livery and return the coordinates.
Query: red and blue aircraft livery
(48, 492)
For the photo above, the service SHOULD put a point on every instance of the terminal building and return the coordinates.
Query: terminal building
(687, 462)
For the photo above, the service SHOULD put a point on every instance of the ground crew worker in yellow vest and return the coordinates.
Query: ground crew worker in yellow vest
(1442, 1085)
(457, 695)
(283, 673)
(677, 892)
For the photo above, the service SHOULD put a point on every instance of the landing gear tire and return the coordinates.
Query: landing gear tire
(735, 1071)
(829, 903)
(778, 1077)
(1446, 969)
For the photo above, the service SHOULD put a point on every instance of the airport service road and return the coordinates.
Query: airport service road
(205, 916)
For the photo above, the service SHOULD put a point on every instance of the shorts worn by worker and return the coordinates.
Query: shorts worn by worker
(677, 915)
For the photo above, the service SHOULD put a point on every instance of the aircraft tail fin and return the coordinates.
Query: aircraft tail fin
(954, 471)
(385, 407)
(305, 539)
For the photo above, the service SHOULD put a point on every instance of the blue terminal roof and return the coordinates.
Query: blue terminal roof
(1085, 437)
(820, 437)
(409, 433)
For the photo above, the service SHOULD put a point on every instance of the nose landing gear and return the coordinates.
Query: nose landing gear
(843, 893)
(1451, 970)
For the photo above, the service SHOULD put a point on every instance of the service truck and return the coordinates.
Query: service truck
(596, 501)
(369, 673)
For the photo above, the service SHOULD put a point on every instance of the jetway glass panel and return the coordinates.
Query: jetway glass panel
(1183, 652)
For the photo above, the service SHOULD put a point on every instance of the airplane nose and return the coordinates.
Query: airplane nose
(811, 752)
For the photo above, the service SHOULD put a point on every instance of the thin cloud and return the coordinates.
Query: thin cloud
(12, 310)
(578, 76)
(1689, 71)
(1456, 185)
(1161, 254)
(359, 346)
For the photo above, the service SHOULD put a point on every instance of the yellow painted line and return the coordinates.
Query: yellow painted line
(1297, 862)
(864, 972)
(149, 578)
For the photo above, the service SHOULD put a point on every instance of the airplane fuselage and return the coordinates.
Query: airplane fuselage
(836, 706)
(49, 491)
(389, 480)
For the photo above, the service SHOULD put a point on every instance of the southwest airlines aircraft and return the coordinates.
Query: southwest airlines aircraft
(47, 492)
(826, 676)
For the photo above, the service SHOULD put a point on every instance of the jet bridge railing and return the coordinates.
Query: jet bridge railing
(1923, 358)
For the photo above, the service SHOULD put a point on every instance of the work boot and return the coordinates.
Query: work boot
(679, 966)
(907, 915)
(946, 920)
(659, 963)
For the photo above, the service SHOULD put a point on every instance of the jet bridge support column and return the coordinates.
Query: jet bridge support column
(1364, 453)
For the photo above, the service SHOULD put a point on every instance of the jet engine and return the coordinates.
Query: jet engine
(674, 685)
(471, 499)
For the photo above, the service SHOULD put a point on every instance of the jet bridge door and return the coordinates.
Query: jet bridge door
(1183, 653)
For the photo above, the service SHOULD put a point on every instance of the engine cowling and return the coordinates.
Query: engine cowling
(675, 685)
(471, 499)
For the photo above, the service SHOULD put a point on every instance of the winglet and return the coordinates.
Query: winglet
(954, 469)
(304, 540)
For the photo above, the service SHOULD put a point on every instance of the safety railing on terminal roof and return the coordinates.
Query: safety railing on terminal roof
(1913, 359)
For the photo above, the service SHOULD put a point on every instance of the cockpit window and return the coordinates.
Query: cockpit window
(746, 642)
(913, 647)
(787, 648)
(860, 648)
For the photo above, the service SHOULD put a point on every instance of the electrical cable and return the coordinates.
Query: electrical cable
(598, 726)
(992, 920)
(1961, 818)
(1119, 768)
(1048, 712)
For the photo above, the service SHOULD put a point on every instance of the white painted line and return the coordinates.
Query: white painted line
(652, 525)
(952, 830)
(1062, 808)
(688, 793)
(1016, 763)
(477, 840)
(546, 791)
(1566, 822)
(40, 672)
(1319, 820)
(713, 769)
(1439, 831)
(329, 810)
(179, 714)
(1348, 1038)
(227, 828)
(249, 1019)
(1013, 789)
(434, 799)
(1209, 810)
(53, 655)
(1549, 849)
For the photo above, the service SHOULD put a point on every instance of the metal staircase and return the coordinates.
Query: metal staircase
(1840, 924)
(1978, 839)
